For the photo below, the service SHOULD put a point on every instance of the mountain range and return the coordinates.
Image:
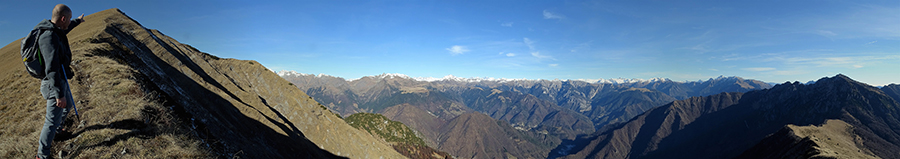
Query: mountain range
(836, 117)
(142, 94)
(546, 112)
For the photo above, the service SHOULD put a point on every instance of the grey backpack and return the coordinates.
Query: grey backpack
(31, 54)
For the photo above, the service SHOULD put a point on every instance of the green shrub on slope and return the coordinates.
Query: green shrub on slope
(391, 131)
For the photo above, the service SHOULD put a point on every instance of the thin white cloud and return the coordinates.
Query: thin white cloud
(582, 46)
(817, 58)
(507, 24)
(510, 54)
(553, 65)
(675, 75)
(873, 42)
(789, 72)
(529, 43)
(456, 50)
(859, 21)
(539, 56)
(844, 61)
(551, 15)
(701, 48)
(825, 33)
(534, 52)
(758, 69)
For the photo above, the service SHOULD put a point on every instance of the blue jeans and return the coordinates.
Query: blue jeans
(52, 121)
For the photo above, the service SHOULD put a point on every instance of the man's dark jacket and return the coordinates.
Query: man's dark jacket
(54, 47)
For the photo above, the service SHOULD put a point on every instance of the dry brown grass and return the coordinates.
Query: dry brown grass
(119, 118)
(834, 139)
(139, 92)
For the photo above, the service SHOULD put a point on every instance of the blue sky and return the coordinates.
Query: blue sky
(773, 41)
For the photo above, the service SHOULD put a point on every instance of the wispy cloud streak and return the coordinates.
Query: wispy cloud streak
(456, 50)
(551, 15)
(528, 43)
(758, 69)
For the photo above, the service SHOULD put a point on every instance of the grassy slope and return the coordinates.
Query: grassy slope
(835, 139)
(117, 114)
(131, 79)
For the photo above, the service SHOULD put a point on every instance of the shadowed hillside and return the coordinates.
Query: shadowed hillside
(479, 136)
(892, 90)
(142, 93)
(835, 117)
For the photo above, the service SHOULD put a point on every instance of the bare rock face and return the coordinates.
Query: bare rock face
(236, 107)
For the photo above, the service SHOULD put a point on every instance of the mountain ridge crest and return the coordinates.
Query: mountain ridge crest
(619, 80)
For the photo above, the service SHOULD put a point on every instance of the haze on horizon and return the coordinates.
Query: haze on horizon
(773, 41)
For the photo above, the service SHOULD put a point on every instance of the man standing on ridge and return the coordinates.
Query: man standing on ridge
(54, 46)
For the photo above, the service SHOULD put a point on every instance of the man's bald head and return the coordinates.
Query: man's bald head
(61, 11)
(61, 16)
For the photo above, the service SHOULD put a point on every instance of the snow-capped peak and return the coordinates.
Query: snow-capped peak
(392, 75)
(286, 73)
(633, 80)
(722, 77)
(619, 80)
(283, 73)
(432, 79)
(462, 79)
(383, 76)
